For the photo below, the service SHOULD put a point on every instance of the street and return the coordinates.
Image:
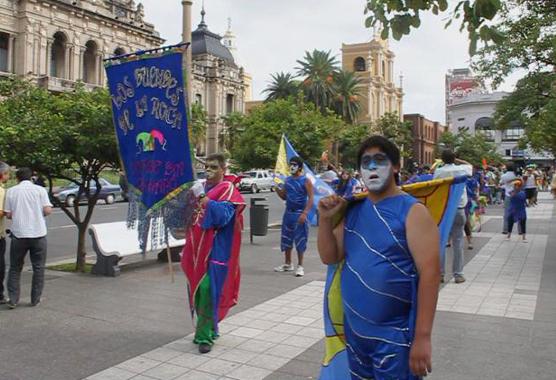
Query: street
(62, 233)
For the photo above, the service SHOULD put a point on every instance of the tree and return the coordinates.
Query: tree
(68, 136)
(309, 131)
(198, 125)
(283, 86)
(234, 126)
(318, 69)
(400, 132)
(471, 148)
(349, 142)
(399, 16)
(346, 95)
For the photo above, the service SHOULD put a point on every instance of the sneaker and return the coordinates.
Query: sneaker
(36, 303)
(284, 268)
(11, 305)
(458, 279)
(470, 247)
(524, 240)
(3, 301)
(205, 348)
(299, 272)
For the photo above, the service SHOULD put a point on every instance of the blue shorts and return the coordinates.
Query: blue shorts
(293, 232)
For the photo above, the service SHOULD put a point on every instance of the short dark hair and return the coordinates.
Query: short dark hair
(23, 174)
(298, 160)
(510, 167)
(220, 157)
(382, 143)
(448, 157)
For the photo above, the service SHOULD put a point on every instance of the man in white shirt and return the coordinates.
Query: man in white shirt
(507, 182)
(450, 169)
(4, 176)
(27, 205)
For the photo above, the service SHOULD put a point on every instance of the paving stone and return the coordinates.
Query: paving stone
(166, 371)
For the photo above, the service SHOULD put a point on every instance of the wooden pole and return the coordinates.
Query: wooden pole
(170, 266)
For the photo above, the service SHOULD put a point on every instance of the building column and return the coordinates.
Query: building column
(99, 76)
(11, 48)
(186, 38)
(49, 42)
(66, 61)
(80, 71)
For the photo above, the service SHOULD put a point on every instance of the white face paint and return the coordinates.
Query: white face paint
(212, 169)
(294, 169)
(376, 174)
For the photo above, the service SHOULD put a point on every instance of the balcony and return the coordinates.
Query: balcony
(61, 85)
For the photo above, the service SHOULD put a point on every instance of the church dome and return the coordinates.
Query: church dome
(203, 41)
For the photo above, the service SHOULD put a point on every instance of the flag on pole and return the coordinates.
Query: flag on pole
(282, 170)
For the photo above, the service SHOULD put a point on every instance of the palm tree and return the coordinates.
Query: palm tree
(346, 95)
(318, 69)
(282, 86)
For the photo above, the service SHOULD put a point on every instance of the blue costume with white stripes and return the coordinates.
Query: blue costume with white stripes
(296, 200)
(379, 289)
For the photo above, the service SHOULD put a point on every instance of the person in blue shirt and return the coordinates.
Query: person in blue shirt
(298, 194)
(517, 212)
(345, 185)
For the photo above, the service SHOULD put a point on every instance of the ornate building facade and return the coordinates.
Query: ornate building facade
(60, 42)
(373, 63)
(219, 84)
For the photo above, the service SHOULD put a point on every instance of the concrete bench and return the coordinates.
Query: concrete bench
(114, 241)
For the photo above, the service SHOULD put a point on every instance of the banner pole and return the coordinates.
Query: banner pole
(170, 266)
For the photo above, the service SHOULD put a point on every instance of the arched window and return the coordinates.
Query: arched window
(90, 63)
(199, 99)
(229, 104)
(58, 56)
(486, 126)
(4, 47)
(514, 132)
(359, 64)
(119, 51)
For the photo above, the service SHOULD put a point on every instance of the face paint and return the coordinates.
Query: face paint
(376, 171)
(212, 170)
(294, 168)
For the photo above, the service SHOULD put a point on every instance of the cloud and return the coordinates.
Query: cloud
(272, 34)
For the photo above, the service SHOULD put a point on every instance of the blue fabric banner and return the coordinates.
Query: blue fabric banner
(150, 118)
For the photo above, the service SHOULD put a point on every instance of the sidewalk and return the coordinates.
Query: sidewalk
(500, 324)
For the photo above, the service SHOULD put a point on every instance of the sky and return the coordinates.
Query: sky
(271, 35)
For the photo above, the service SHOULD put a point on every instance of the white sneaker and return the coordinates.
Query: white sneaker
(299, 272)
(284, 268)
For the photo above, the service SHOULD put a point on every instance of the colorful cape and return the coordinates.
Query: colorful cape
(198, 247)
(441, 197)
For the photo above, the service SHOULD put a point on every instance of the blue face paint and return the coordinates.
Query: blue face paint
(376, 171)
(375, 161)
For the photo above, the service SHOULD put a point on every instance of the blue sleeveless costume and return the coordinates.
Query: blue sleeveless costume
(296, 200)
(379, 289)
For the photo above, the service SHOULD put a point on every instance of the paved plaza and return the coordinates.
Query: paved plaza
(500, 324)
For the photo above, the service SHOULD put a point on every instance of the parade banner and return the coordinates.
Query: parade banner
(441, 197)
(150, 119)
(282, 170)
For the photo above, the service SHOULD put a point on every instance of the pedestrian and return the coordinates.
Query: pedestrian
(210, 258)
(27, 205)
(346, 185)
(298, 194)
(472, 190)
(454, 167)
(517, 213)
(506, 182)
(389, 246)
(530, 180)
(4, 176)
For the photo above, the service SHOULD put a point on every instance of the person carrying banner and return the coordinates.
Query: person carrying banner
(298, 194)
(210, 257)
(388, 248)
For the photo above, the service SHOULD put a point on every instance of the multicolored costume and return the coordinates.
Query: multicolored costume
(370, 299)
(210, 259)
(296, 201)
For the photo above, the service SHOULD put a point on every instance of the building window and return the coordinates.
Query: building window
(508, 152)
(486, 126)
(514, 132)
(4, 47)
(383, 69)
(461, 119)
(119, 51)
(229, 104)
(359, 64)
(90, 63)
(58, 56)
(198, 99)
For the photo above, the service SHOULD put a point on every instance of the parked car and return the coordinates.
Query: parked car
(109, 192)
(257, 180)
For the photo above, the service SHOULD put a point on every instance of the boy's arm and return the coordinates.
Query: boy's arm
(424, 243)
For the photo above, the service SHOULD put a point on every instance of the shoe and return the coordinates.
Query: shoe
(3, 301)
(524, 240)
(299, 272)
(284, 268)
(458, 279)
(441, 278)
(11, 305)
(204, 348)
(470, 247)
(36, 303)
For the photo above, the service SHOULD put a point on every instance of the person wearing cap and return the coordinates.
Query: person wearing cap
(298, 194)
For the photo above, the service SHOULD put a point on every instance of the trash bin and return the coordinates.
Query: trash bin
(258, 218)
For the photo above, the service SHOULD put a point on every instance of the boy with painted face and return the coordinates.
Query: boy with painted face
(388, 245)
(298, 194)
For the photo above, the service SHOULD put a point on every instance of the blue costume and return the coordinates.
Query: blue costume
(296, 201)
(379, 288)
(345, 190)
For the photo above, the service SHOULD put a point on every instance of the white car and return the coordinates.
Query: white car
(257, 180)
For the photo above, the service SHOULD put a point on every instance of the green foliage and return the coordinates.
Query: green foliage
(471, 148)
(234, 126)
(400, 132)
(69, 267)
(349, 142)
(69, 136)
(282, 86)
(400, 16)
(346, 88)
(318, 69)
(309, 131)
(198, 125)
